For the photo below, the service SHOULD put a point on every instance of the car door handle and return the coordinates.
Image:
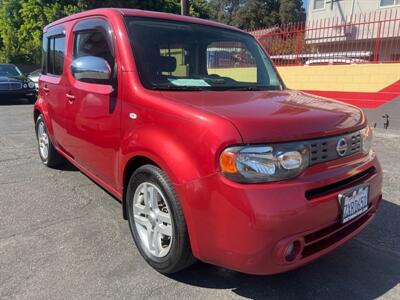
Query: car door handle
(46, 89)
(70, 97)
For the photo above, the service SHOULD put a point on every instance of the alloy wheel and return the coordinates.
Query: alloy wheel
(43, 140)
(153, 220)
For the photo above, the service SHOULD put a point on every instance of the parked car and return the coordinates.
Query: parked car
(335, 61)
(247, 175)
(34, 76)
(13, 84)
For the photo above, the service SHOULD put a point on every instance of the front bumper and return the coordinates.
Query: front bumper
(247, 227)
(18, 93)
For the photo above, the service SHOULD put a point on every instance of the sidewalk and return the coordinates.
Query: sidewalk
(392, 109)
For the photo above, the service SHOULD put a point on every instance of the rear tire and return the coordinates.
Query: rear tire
(156, 221)
(48, 154)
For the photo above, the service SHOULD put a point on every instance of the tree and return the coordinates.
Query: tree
(291, 11)
(224, 10)
(199, 8)
(251, 14)
(9, 21)
(21, 25)
(22, 21)
(256, 13)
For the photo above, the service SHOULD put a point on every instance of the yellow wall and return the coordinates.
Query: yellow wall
(345, 78)
(239, 74)
(341, 78)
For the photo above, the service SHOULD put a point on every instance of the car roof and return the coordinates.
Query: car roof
(140, 13)
(8, 65)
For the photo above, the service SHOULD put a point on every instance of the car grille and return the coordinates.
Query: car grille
(10, 86)
(342, 184)
(322, 150)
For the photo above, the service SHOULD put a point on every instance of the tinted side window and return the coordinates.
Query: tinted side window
(44, 55)
(55, 55)
(93, 43)
(179, 66)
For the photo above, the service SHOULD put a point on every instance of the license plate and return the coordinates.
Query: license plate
(354, 202)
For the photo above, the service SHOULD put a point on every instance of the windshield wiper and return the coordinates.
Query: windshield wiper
(240, 88)
(253, 88)
(214, 88)
(178, 88)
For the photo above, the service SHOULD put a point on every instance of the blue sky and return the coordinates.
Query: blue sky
(305, 3)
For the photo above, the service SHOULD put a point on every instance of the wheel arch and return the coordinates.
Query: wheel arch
(40, 108)
(131, 166)
(36, 114)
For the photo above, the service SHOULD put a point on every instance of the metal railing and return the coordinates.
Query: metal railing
(362, 38)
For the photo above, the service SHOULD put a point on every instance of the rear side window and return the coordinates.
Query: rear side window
(177, 64)
(54, 62)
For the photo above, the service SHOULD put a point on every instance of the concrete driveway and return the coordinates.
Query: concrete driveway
(63, 237)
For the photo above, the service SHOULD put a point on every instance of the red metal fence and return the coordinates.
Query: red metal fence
(363, 38)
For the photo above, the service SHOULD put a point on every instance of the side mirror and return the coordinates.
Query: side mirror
(91, 69)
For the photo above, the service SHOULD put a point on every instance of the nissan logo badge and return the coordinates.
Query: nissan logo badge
(341, 147)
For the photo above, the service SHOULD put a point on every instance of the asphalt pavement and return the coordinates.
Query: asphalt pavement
(63, 237)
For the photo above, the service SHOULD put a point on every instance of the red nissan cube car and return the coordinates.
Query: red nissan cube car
(188, 124)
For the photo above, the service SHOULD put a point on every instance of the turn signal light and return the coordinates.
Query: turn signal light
(227, 162)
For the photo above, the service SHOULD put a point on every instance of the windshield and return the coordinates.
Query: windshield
(35, 73)
(9, 71)
(174, 55)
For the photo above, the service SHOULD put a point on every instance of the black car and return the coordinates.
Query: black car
(14, 84)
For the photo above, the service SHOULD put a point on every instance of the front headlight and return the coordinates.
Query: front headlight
(31, 84)
(366, 139)
(264, 163)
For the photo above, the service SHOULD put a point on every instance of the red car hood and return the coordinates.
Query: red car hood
(274, 116)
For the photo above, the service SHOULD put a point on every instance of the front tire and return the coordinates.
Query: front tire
(156, 221)
(48, 154)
